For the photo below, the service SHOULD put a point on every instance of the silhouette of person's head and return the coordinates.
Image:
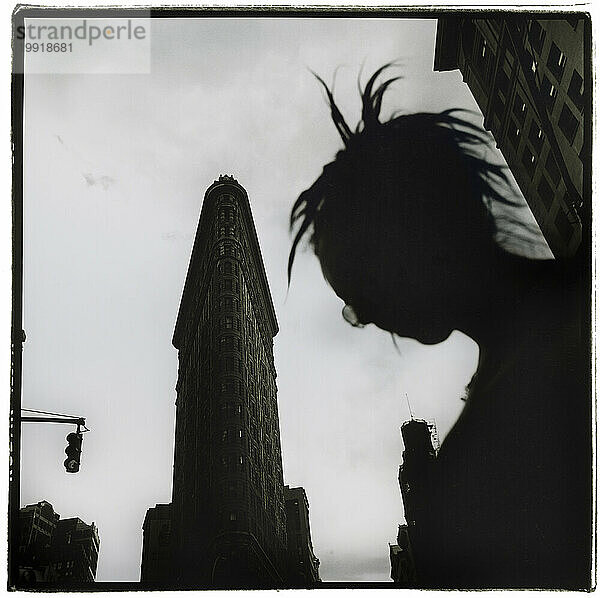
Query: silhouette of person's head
(400, 220)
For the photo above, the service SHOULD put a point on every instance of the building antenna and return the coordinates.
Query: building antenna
(409, 407)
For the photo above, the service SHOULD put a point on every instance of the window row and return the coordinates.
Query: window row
(227, 249)
(230, 386)
(231, 303)
(227, 267)
(230, 343)
(230, 323)
(228, 229)
(226, 213)
(229, 434)
(232, 462)
(230, 409)
(232, 365)
(228, 284)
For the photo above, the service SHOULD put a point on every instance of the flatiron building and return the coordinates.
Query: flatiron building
(228, 509)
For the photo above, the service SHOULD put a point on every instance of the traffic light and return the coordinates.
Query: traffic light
(73, 452)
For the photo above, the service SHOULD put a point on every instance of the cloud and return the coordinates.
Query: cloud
(91, 179)
(103, 180)
(176, 235)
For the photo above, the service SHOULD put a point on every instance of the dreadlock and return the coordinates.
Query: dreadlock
(437, 153)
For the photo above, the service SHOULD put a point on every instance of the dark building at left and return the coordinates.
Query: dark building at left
(303, 564)
(226, 526)
(55, 551)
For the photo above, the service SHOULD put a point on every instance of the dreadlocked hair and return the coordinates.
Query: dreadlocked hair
(430, 159)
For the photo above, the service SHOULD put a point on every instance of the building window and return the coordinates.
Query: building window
(536, 137)
(534, 64)
(545, 192)
(482, 57)
(568, 124)
(467, 37)
(514, 135)
(556, 62)
(529, 161)
(520, 109)
(537, 34)
(229, 285)
(503, 82)
(548, 90)
(482, 48)
(575, 91)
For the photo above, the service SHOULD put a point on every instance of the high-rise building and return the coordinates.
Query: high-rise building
(303, 564)
(409, 557)
(228, 511)
(527, 76)
(56, 551)
(414, 475)
(157, 547)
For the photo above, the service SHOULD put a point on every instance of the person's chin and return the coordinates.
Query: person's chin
(432, 339)
(427, 336)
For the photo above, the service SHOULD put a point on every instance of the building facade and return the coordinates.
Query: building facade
(56, 551)
(75, 549)
(228, 512)
(527, 77)
(409, 557)
(156, 545)
(402, 562)
(303, 564)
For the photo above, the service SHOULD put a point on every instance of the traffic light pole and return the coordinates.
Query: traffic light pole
(73, 450)
(80, 421)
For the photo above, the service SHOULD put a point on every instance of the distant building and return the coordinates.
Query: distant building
(53, 550)
(37, 524)
(157, 547)
(414, 475)
(527, 77)
(304, 565)
(415, 479)
(75, 548)
(402, 560)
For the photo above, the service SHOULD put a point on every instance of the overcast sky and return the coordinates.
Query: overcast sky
(116, 167)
